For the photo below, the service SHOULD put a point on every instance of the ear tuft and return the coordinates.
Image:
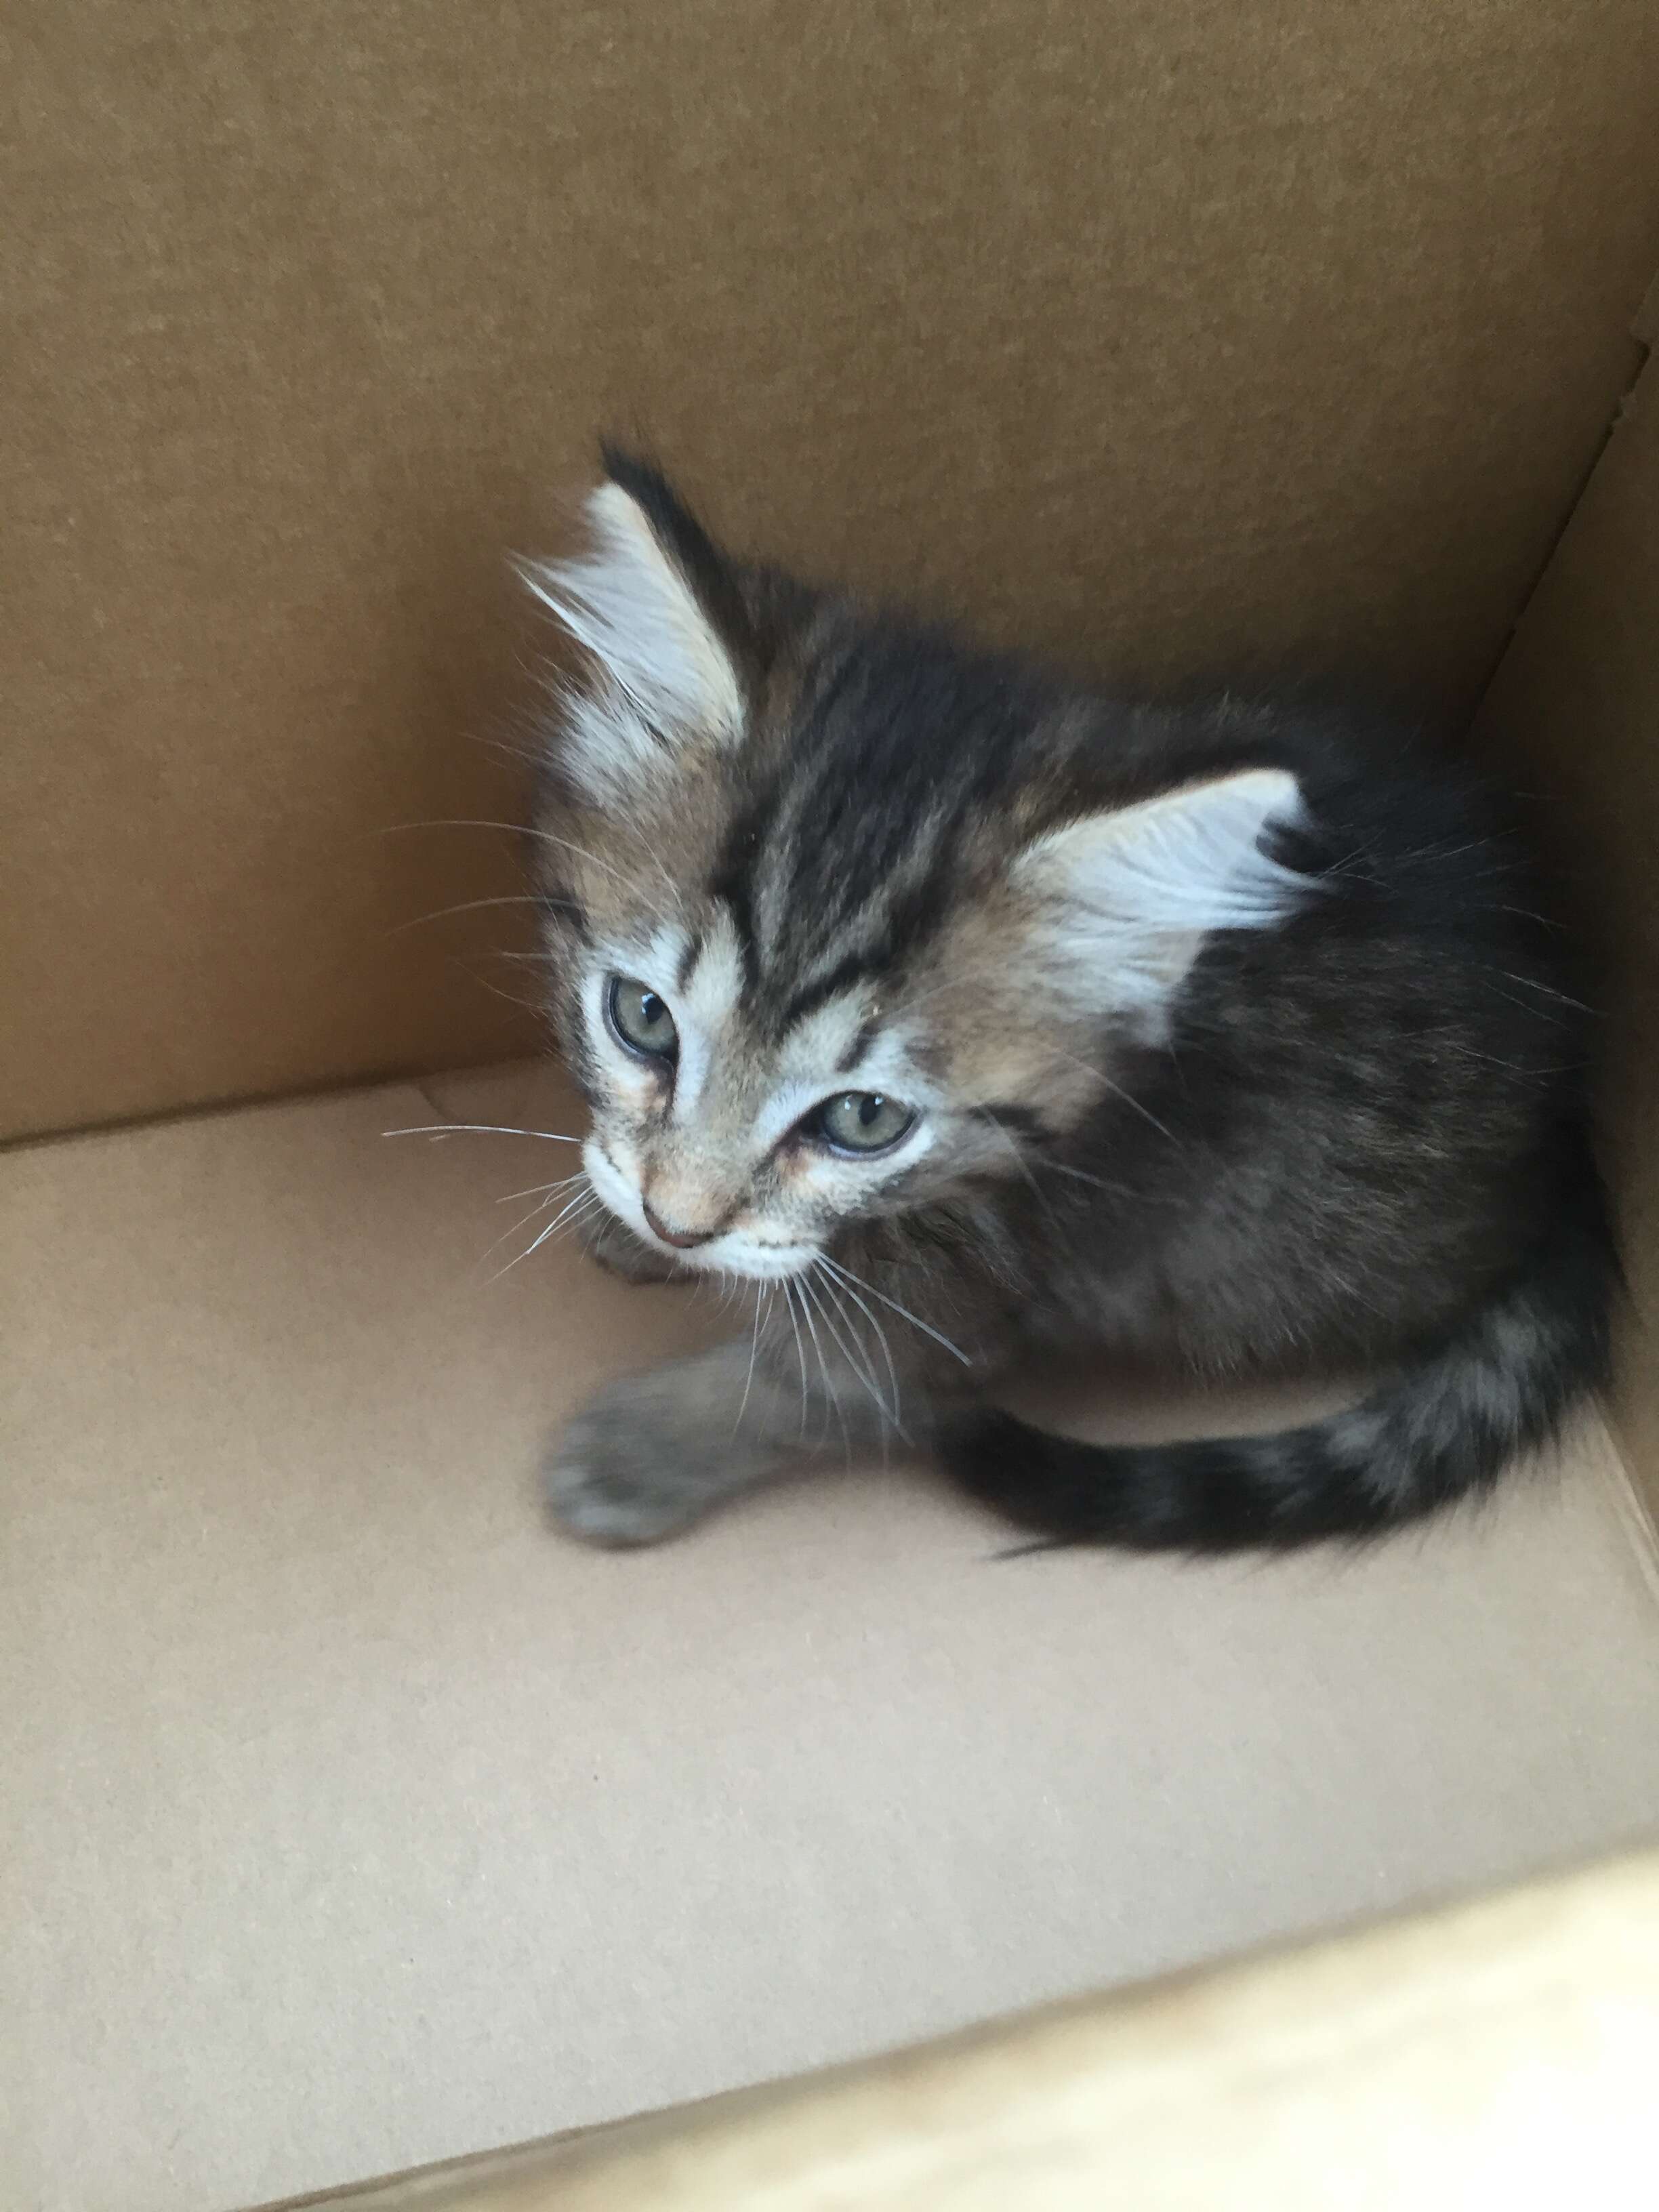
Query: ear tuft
(662, 677)
(1129, 896)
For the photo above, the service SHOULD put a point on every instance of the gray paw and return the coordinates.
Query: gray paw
(610, 1479)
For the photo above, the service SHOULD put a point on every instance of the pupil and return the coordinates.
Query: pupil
(870, 1110)
(650, 1008)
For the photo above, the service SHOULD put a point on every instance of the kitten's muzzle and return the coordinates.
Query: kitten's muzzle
(683, 1240)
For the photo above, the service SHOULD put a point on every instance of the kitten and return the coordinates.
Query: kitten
(961, 1011)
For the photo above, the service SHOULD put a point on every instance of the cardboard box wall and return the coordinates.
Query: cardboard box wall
(1161, 338)
(1164, 336)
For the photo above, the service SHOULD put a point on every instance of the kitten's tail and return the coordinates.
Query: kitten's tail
(1444, 1427)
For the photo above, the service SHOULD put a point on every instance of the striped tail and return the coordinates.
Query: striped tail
(1445, 1427)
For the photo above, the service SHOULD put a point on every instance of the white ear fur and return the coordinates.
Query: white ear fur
(662, 679)
(1131, 895)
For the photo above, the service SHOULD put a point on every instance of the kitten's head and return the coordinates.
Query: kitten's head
(841, 919)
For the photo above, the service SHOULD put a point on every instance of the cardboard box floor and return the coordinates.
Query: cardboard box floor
(356, 1821)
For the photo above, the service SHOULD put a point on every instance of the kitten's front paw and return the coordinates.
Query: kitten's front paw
(607, 1480)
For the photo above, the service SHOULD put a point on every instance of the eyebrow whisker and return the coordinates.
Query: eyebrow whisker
(480, 1129)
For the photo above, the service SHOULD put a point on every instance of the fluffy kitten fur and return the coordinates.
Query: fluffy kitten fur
(1229, 1034)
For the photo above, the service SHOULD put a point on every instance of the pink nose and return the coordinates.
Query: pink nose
(683, 1240)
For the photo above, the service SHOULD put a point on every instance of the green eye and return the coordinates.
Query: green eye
(641, 1018)
(862, 1121)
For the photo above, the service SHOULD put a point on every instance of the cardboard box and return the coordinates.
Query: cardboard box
(353, 1821)
(1400, 2065)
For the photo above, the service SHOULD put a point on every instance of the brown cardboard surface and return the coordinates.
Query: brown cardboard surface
(1175, 333)
(355, 1820)
(1576, 703)
(1278, 2080)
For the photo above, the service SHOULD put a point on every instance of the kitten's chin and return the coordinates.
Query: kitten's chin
(751, 1262)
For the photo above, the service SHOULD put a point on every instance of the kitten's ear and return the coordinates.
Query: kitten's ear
(1127, 897)
(656, 606)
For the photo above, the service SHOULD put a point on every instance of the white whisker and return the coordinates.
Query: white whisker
(620, 876)
(801, 1351)
(480, 1129)
(830, 1398)
(537, 1006)
(816, 1292)
(754, 1347)
(530, 1190)
(524, 1221)
(1019, 1160)
(916, 1320)
(583, 1202)
(650, 852)
(526, 830)
(467, 906)
(837, 1318)
(1531, 984)
(1118, 1091)
(839, 1276)
(1096, 1182)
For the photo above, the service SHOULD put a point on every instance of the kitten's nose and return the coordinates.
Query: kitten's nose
(683, 1240)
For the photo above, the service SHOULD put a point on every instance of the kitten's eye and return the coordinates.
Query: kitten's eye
(861, 1121)
(641, 1018)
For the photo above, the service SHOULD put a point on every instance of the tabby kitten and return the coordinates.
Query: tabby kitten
(959, 1010)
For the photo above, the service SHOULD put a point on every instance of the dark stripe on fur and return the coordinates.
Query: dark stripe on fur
(732, 888)
(861, 1044)
(852, 968)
